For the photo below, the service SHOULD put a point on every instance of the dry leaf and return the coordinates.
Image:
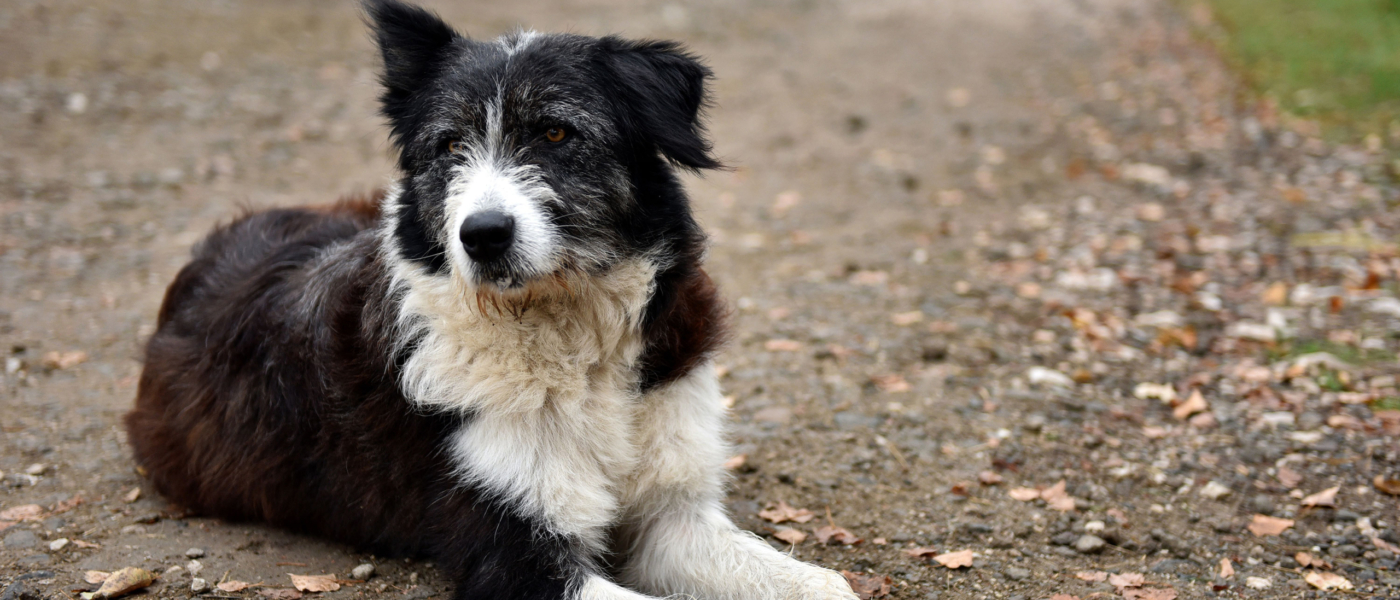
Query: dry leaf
(955, 560)
(920, 552)
(1264, 525)
(1308, 560)
(792, 536)
(1152, 432)
(1227, 570)
(1023, 494)
(279, 594)
(1327, 581)
(1384, 545)
(95, 576)
(869, 278)
(735, 462)
(782, 346)
(1194, 403)
(782, 512)
(907, 318)
(1092, 576)
(1126, 580)
(891, 383)
(1056, 498)
(64, 360)
(1064, 597)
(132, 496)
(122, 582)
(24, 512)
(832, 533)
(82, 544)
(233, 586)
(1289, 478)
(314, 583)
(1327, 497)
(1276, 294)
(868, 586)
(1150, 594)
(1389, 486)
(989, 478)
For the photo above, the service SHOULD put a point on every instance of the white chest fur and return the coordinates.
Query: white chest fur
(550, 391)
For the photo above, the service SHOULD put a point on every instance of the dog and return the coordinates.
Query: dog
(502, 363)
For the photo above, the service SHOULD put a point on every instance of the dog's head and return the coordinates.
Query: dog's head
(534, 155)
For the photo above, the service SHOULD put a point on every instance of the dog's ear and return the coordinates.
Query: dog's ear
(662, 89)
(415, 44)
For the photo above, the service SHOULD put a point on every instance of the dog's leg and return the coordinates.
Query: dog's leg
(678, 539)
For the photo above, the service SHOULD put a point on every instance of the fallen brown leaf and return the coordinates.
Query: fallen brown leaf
(1150, 594)
(95, 576)
(831, 533)
(1194, 403)
(1327, 497)
(868, 586)
(233, 586)
(920, 552)
(1264, 525)
(955, 560)
(1056, 498)
(1092, 576)
(64, 360)
(792, 536)
(1308, 560)
(782, 346)
(279, 594)
(314, 583)
(1327, 581)
(782, 512)
(82, 544)
(1389, 486)
(891, 383)
(24, 512)
(1023, 494)
(132, 496)
(989, 478)
(122, 582)
(1126, 580)
(1227, 570)
(735, 462)
(1289, 478)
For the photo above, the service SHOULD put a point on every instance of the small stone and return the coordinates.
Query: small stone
(1262, 504)
(1345, 515)
(1309, 421)
(199, 586)
(54, 523)
(34, 561)
(1064, 539)
(36, 469)
(21, 540)
(1215, 490)
(19, 590)
(58, 544)
(134, 530)
(362, 572)
(194, 553)
(173, 572)
(1089, 544)
(194, 567)
(1017, 573)
(1345, 551)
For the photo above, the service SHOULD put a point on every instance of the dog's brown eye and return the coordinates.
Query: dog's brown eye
(457, 147)
(555, 134)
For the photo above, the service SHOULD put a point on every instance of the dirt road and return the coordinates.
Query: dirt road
(958, 236)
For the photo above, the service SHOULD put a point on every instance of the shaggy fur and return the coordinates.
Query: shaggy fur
(542, 420)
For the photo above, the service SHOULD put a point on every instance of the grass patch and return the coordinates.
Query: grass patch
(1345, 352)
(1386, 403)
(1335, 61)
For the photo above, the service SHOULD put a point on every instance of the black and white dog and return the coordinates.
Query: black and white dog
(503, 363)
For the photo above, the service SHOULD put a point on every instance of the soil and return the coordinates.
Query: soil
(958, 237)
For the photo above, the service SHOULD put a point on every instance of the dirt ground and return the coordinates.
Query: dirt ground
(959, 237)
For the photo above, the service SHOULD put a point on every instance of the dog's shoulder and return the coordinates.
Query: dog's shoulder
(687, 321)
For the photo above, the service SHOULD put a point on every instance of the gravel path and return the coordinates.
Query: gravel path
(976, 249)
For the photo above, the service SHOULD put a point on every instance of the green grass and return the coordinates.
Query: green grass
(1335, 61)
(1345, 352)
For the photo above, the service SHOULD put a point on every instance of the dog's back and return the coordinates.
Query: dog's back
(270, 308)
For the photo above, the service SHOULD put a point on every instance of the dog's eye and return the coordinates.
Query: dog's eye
(457, 147)
(555, 134)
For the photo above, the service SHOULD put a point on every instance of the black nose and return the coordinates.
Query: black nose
(488, 235)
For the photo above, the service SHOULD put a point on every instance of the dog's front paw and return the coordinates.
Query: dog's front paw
(821, 584)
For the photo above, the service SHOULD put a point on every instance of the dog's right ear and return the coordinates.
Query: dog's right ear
(415, 44)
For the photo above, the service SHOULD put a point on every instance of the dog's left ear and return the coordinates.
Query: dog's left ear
(663, 93)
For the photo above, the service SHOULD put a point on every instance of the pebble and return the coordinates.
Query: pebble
(194, 567)
(198, 585)
(194, 553)
(20, 590)
(1215, 490)
(363, 572)
(1345, 515)
(1262, 504)
(1017, 573)
(54, 523)
(21, 540)
(1089, 544)
(58, 544)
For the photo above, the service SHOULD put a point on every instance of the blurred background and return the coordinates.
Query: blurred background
(1080, 287)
